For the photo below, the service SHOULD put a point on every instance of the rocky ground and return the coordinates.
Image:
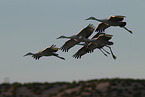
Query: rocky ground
(91, 88)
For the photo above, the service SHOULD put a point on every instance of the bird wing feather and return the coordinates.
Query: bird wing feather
(82, 51)
(69, 44)
(36, 57)
(102, 39)
(116, 18)
(91, 47)
(49, 50)
(86, 32)
(101, 27)
(96, 35)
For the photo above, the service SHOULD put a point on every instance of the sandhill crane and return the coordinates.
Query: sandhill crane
(76, 39)
(50, 51)
(98, 41)
(112, 21)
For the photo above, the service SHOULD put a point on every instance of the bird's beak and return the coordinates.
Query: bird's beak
(25, 55)
(87, 19)
(58, 38)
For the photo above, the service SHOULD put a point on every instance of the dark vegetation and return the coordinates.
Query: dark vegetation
(91, 88)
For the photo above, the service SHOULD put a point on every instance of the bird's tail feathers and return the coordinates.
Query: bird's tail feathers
(76, 56)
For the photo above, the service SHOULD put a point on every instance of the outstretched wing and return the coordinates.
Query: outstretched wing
(50, 50)
(36, 57)
(69, 44)
(96, 35)
(103, 38)
(91, 47)
(101, 27)
(87, 31)
(116, 18)
(82, 51)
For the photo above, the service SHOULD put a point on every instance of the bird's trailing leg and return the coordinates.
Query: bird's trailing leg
(56, 55)
(114, 57)
(60, 57)
(103, 53)
(127, 29)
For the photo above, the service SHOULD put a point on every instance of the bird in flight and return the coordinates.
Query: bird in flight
(111, 21)
(98, 41)
(50, 51)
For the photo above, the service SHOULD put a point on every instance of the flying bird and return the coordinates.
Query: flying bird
(76, 39)
(50, 51)
(98, 41)
(111, 21)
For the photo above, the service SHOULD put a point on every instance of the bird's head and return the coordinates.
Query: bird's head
(91, 18)
(28, 54)
(61, 37)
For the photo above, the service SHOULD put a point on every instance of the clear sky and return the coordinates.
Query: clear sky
(32, 25)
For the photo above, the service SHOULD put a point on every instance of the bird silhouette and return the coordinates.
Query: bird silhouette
(50, 51)
(111, 21)
(98, 41)
(76, 39)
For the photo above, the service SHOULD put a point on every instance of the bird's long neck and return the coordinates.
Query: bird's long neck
(31, 54)
(68, 37)
(100, 20)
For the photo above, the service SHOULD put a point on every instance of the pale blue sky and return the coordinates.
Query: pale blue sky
(32, 25)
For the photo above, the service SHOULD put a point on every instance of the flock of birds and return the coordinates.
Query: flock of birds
(99, 41)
